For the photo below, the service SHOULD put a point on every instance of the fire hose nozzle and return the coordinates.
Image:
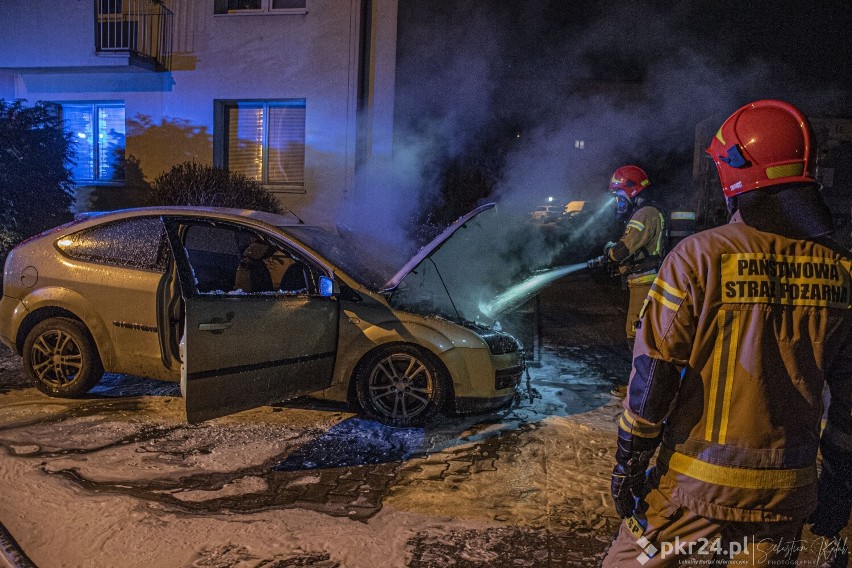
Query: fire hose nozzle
(597, 262)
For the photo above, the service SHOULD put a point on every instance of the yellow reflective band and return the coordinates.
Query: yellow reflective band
(659, 248)
(733, 343)
(638, 225)
(662, 299)
(714, 376)
(669, 288)
(644, 309)
(740, 477)
(644, 182)
(629, 425)
(787, 170)
(640, 280)
(719, 136)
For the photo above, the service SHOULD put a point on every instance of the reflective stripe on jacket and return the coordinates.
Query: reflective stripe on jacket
(739, 333)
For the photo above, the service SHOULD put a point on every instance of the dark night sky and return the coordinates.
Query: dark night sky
(631, 79)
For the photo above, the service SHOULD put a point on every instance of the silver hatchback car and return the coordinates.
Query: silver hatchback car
(246, 309)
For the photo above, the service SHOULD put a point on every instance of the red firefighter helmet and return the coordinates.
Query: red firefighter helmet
(629, 179)
(764, 143)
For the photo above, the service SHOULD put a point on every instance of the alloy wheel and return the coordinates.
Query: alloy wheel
(56, 358)
(401, 386)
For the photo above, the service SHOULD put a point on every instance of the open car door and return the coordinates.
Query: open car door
(257, 330)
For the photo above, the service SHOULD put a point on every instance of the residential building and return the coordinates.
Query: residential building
(294, 93)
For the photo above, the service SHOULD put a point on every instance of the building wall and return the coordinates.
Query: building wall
(170, 115)
(45, 34)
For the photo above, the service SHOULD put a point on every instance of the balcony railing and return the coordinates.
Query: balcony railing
(140, 28)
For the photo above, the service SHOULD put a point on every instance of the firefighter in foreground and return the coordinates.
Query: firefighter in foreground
(743, 326)
(638, 252)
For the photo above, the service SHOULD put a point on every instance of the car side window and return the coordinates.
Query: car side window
(234, 261)
(132, 243)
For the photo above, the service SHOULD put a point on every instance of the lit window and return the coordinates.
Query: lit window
(265, 141)
(259, 6)
(98, 134)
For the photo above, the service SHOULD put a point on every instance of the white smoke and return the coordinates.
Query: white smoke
(590, 87)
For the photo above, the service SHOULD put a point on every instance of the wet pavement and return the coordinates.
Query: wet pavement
(338, 465)
(119, 479)
(469, 490)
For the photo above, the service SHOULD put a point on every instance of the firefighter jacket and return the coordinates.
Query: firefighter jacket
(640, 247)
(739, 333)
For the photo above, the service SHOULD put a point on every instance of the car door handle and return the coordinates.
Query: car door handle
(214, 326)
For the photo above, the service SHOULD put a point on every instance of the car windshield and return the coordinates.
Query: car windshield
(349, 254)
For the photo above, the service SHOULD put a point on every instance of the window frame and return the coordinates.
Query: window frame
(221, 140)
(96, 163)
(265, 9)
(313, 270)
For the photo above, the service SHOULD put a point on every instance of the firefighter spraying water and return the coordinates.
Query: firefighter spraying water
(636, 255)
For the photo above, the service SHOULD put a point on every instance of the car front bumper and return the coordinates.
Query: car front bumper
(478, 374)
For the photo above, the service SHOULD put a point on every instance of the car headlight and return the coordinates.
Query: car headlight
(500, 343)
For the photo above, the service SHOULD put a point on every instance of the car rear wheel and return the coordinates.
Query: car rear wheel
(60, 357)
(401, 385)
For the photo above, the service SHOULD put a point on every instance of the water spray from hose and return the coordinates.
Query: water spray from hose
(519, 293)
(593, 218)
(523, 291)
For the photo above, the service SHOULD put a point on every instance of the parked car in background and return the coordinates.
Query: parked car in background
(243, 309)
(546, 213)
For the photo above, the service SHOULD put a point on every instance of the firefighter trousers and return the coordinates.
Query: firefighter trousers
(638, 293)
(675, 536)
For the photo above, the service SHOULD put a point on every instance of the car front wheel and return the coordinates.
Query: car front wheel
(61, 359)
(401, 385)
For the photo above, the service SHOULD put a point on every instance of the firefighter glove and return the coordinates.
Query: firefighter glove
(629, 483)
(624, 487)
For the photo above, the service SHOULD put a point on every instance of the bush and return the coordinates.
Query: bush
(194, 184)
(36, 191)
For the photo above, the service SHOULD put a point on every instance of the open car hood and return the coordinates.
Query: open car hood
(447, 276)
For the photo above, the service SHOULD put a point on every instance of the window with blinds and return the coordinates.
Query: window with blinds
(98, 138)
(265, 141)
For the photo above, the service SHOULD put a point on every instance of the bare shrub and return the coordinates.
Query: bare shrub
(195, 184)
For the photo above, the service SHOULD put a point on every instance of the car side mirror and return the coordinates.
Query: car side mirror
(327, 287)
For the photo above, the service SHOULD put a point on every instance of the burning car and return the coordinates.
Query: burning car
(246, 309)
